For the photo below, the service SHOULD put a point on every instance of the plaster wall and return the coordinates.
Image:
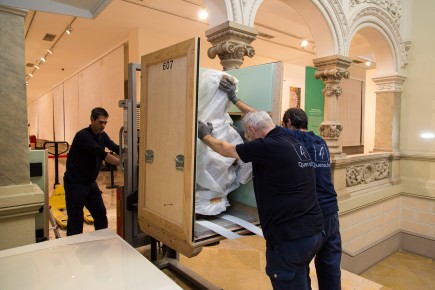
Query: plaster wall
(418, 99)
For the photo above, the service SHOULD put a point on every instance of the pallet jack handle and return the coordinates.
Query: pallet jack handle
(56, 157)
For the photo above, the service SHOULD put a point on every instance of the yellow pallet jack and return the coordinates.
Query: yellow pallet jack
(58, 208)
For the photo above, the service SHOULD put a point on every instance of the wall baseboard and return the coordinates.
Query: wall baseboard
(410, 242)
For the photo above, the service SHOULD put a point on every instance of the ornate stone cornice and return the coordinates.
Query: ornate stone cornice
(389, 83)
(16, 11)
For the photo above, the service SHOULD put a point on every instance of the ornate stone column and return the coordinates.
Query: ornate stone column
(19, 199)
(331, 70)
(388, 106)
(231, 42)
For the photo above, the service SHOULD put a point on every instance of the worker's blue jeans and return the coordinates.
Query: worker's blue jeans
(287, 262)
(328, 258)
(79, 195)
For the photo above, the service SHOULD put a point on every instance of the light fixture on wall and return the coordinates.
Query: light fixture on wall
(427, 135)
(368, 60)
(69, 30)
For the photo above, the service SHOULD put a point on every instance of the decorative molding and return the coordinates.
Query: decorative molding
(328, 130)
(367, 173)
(389, 83)
(16, 11)
(392, 7)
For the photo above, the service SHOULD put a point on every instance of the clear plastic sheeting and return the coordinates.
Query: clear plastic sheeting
(216, 176)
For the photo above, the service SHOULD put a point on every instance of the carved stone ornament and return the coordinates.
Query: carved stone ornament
(231, 53)
(330, 131)
(392, 7)
(367, 173)
(231, 41)
(331, 78)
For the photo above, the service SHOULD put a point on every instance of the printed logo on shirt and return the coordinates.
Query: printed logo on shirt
(301, 152)
(304, 157)
(321, 153)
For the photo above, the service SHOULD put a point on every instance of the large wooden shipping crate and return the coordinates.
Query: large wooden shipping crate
(167, 153)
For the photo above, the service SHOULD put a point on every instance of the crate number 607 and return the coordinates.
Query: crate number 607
(167, 64)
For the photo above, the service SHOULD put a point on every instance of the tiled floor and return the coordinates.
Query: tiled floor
(403, 271)
(239, 264)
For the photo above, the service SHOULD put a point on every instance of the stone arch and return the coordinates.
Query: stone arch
(383, 36)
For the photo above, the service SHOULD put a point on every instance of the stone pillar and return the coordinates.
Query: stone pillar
(387, 123)
(331, 70)
(19, 199)
(231, 42)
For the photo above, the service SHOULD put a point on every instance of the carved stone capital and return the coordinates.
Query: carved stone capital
(330, 130)
(231, 42)
(390, 83)
(331, 70)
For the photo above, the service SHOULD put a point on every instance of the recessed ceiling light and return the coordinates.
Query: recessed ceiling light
(69, 30)
(304, 43)
(43, 58)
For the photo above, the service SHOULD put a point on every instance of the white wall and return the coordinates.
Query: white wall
(369, 112)
(68, 106)
(418, 99)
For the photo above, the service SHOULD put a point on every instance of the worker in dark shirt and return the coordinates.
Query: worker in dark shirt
(328, 258)
(83, 165)
(285, 191)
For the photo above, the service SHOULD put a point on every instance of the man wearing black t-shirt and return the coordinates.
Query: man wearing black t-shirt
(285, 191)
(82, 167)
(328, 258)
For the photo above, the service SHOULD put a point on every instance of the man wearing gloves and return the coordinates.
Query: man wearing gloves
(328, 259)
(284, 186)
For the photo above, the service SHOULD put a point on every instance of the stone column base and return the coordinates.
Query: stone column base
(19, 205)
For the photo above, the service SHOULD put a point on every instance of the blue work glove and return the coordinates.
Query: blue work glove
(204, 129)
(229, 87)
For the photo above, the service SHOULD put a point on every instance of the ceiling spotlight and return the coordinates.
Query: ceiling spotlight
(304, 43)
(37, 66)
(43, 58)
(202, 14)
(49, 51)
(69, 30)
(31, 75)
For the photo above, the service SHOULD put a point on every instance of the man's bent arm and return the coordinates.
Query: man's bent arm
(243, 107)
(112, 159)
(223, 148)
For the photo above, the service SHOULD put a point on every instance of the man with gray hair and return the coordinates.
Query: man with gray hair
(285, 191)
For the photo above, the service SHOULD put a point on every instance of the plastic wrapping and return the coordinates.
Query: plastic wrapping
(216, 176)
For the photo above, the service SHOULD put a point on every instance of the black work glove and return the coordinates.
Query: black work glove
(229, 87)
(204, 129)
